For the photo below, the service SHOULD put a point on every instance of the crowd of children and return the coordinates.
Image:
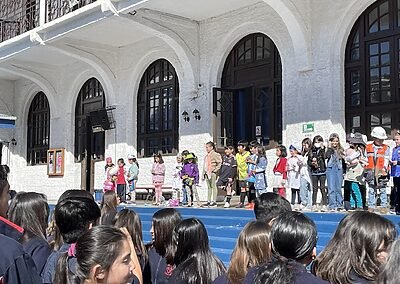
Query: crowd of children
(345, 178)
(278, 247)
(352, 178)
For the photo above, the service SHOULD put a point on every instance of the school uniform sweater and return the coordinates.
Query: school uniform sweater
(16, 266)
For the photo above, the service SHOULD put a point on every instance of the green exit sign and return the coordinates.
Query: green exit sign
(308, 127)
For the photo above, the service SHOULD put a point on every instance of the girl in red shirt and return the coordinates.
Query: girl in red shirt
(280, 171)
(121, 181)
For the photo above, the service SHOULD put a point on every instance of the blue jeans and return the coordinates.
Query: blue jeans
(305, 192)
(334, 177)
(376, 190)
(185, 195)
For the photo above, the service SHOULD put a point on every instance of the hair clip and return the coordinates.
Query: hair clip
(71, 250)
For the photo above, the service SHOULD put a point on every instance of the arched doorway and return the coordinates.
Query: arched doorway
(248, 106)
(89, 145)
(372, 67)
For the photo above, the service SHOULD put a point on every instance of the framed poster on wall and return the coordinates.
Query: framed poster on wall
(55, 162)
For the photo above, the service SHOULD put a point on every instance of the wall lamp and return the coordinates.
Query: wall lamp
(196, 114)
(13, 142)
(185, 116)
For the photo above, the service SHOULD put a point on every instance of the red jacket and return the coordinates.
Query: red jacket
(280, 167)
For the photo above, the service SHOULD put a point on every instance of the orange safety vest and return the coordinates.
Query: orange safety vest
(377, 162)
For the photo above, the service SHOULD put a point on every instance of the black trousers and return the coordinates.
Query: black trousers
(318, 182)
(121, 192)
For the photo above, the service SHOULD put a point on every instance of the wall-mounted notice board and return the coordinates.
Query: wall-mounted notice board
(55, 162)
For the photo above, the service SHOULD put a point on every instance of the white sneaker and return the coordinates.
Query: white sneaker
(227, 205)
(324, 208)
(301, 207)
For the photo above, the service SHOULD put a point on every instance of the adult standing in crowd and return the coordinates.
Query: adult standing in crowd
(377, 169)
(212, 165)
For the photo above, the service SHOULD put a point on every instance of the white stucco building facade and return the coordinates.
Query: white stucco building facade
(115, 41)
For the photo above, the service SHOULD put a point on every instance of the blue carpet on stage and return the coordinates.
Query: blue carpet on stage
(223, 226)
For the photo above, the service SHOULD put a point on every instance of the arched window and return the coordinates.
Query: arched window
(157, 112)
(91, 98)
(372, 69)
(248, 106)
(38, 130)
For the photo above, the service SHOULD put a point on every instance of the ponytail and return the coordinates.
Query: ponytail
(62, 274)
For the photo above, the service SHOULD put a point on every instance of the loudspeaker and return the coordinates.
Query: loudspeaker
(99, 120)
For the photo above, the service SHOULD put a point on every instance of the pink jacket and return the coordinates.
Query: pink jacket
(158, 171)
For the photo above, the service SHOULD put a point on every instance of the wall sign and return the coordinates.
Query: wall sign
(55, 162)
(308, 127)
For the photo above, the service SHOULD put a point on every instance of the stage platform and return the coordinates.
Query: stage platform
(224, 225)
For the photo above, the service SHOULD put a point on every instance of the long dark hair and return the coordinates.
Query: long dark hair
(261, 152)
(308, 142)
(274, 271)
(283, 151)
(100, 245)
(195, 263)
(164, 222)
(30, 211)
(159, 156)
(294, 236)
(131, 221)
(252, 248)
(390, 272)
(360, 236)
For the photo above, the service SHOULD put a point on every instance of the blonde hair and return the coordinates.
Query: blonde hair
(252, 249)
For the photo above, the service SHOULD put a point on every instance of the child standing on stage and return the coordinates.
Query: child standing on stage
(316, 162)
(109, 183)
(354, 181)
(395, 172)
(259, 172)
(280, 173)
(121, 181)
(212, 165)
(177, 185)
(190, 179)
(334, 172)
(227, 174)
(294, 165)
(133, 175)
(305, 179)
(158, 172)
(241, 158)
(251, 179)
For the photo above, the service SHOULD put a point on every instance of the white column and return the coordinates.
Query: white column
(42, 12)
